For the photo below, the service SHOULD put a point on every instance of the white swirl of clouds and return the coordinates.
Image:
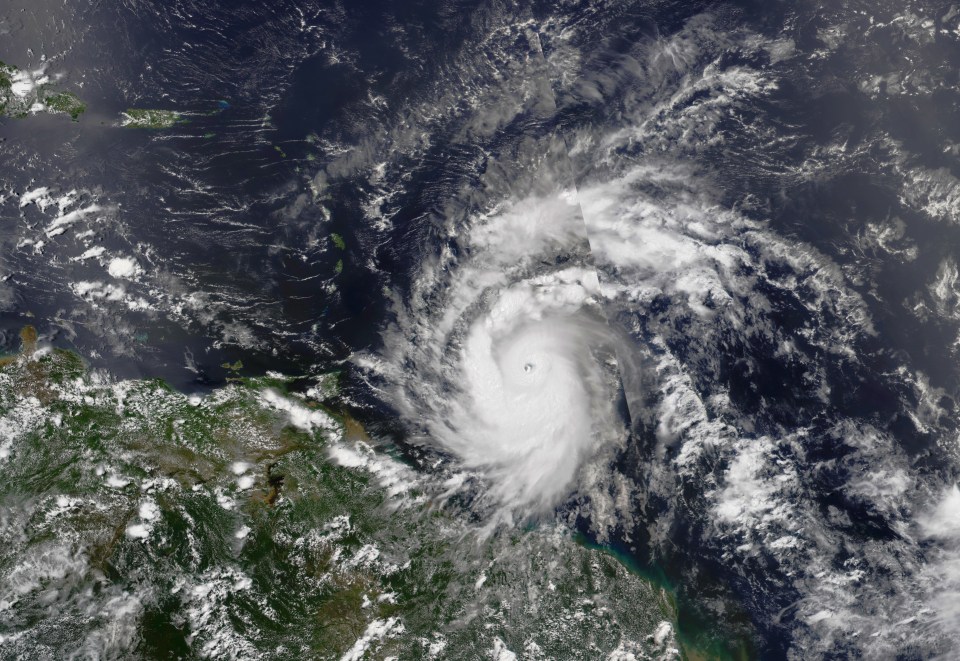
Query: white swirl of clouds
(503, 359)
(500, 355)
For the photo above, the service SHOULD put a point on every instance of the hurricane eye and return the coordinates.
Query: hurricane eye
(528, 367)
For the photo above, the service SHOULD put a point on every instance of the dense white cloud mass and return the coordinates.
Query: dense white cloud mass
(685, 280)
(513, 364)
(747, 355)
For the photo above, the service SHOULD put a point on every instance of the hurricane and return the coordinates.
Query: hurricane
(631, 337)
(505, 318)
(503, 358)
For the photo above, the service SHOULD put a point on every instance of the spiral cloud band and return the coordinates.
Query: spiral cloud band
(515, 374)
(532, 387)
(786, 451)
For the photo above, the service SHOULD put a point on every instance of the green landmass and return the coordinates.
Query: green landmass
(66, 103)
(37, 98)
(6, 76)
(140, 522)
(338, 241)
(7, 97)
(144, 118)
(338, 267)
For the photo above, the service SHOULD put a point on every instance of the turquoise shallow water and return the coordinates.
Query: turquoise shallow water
(757, 203)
